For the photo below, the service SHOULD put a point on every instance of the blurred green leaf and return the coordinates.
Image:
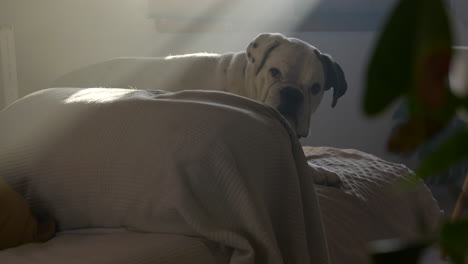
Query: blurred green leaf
(411, 57)
(451, 151)
(454, 240)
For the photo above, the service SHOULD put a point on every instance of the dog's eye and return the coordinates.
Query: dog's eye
(275, 73)
(315, 89)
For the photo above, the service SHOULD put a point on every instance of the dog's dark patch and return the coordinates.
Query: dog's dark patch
(249, 55)
(254, 45)
(253, 60)
(290, 101)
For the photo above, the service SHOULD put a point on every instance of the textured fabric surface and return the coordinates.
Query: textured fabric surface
(367, 207)
(208, 165)
(125, 247)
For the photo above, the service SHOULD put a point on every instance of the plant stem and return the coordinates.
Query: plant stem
(457, 211)
(460, 201)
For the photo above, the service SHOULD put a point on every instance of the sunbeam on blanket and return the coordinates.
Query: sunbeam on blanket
(98, 95)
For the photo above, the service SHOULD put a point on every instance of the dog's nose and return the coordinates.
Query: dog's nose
(291, 96)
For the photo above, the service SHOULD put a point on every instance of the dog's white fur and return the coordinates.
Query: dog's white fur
(270, 64)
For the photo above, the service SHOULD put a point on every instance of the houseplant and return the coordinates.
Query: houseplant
(412, 60)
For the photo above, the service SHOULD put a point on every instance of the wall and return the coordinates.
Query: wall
(460, 21)
(56, 36)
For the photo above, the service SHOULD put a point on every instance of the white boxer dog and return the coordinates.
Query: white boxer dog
(285, 73)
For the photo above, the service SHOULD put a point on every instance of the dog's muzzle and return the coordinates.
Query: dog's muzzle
(291, 100)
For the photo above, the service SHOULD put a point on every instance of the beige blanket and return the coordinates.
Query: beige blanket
(368, 207)
(208, 165)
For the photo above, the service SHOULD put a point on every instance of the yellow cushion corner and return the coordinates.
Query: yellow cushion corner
(17, 224)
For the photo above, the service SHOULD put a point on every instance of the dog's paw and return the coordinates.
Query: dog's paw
(323, 176)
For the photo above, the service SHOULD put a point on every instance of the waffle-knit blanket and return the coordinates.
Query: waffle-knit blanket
(208, 165)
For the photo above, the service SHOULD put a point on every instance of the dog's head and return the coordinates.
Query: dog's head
(291, 76)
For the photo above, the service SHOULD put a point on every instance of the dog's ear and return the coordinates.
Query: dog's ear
(259, 49)
(334, 77)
